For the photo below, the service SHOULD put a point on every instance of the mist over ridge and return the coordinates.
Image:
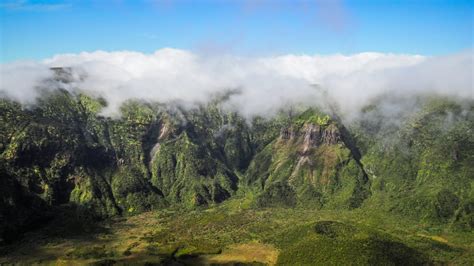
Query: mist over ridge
(265, 84)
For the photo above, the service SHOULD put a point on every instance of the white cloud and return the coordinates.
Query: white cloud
(267, 83)
(19, 80)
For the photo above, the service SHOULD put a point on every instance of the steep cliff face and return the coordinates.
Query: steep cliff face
(46, 151)
(197, 155)
(185, 171)
(311, 163)
(423, 166)
(62, 152)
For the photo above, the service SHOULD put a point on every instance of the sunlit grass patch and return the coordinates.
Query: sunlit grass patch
(246, 253)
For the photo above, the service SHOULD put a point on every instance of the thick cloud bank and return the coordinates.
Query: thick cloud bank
(266, 83)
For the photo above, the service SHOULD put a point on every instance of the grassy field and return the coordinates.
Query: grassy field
(233, 233)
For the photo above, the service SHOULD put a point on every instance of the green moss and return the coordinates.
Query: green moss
(313, 116)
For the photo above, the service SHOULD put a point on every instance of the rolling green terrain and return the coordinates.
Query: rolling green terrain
(233, 232)
(168, 184)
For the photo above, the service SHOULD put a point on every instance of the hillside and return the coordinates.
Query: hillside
(61, 159)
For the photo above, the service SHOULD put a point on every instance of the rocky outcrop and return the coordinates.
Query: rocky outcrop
(331, 135)
(311, 157)
(311, 137)
(165, 133)
(287, 133)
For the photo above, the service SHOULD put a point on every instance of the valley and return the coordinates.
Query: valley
(235, 233)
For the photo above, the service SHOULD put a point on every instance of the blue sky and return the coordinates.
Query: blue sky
(41, 29)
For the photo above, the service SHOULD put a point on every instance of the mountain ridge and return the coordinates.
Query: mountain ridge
(62, 151)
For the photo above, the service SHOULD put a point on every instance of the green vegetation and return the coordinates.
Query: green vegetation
(166, 184)
(230, 233)
(309, 164)
(425, 169)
